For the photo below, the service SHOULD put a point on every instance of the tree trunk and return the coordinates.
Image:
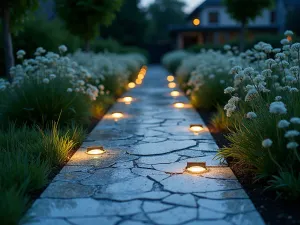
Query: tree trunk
(243, 37)
(87, 46)
(7, 42)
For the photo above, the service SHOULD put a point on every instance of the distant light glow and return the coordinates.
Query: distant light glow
(196, 127)
(138, 81)
(172, 85)
(196, 22)
(179, 105)
(175, 93)
(131, 85)
(170, 78)
(127, 99)
(117, 115)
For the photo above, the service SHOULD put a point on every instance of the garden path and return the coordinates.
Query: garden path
(141, 179)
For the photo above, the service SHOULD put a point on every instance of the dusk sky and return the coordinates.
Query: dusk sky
(191, 4)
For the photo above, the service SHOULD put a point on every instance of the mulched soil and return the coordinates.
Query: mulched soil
(274, 211)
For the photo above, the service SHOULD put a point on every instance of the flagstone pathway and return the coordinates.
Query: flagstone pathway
(141, 178)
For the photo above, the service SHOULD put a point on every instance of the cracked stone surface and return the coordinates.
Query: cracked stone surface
(141, 177)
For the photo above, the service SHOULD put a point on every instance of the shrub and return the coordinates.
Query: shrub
(172, 60)
(45, 89)
(265, 97)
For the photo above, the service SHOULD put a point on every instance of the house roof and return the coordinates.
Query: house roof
(204, 4)
(207, 3)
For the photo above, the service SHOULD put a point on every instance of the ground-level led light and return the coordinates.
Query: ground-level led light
(138, 81)
(175, 93)
(179, 105)
(127, 100)
(131, 85)
(95, 150)
(196, 167)
(196, 128)
(117, 115)
(170, 78)
(172, 85)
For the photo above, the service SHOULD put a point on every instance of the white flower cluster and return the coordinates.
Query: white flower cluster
(48, 66)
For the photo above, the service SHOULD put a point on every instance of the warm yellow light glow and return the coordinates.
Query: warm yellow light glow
(196, 22)
(131, 85)
(170, 78)
(196, 128)
(138, 81)
(95, 150)
(117, 115)
(172, 85)
(127, 99)
(196, 169)
(179, 105)
(175, 93)
(141, 76)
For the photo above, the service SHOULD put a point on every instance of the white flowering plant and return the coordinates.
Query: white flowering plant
(52, 87)
(265, 98)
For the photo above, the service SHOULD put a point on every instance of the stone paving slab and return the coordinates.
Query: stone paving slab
(140, 179)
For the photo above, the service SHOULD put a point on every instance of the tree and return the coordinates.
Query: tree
(13, 13)
(84, 17)
(161, 14)
(244, 11)
(129, 17)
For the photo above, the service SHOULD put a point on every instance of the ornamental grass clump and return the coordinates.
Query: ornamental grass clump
(265, 97)
(28, 156)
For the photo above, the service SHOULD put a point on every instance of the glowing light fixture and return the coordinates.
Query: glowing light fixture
(175, 93)
(95, 150)
(170, 78)
(127, 100)
(179, 105)
(117, 115)
(141, 76)
(196, 167)
(172, 85)
(138, 81)
(289, 38)
(196, 128)
(196, 22)
(131, 85)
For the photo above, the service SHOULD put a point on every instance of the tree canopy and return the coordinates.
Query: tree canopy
(161, 14)
(130, 17)
(245, 10)
(84, 17)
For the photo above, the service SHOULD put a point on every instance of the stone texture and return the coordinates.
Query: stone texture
(137, 185)
(67, 190)
(136, 180)
(82, 207)
(150, 207)
(95, 220)
(183, 200)
(160, 148)
(174, 216)
(186, 183)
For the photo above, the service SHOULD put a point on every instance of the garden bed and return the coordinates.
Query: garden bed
(273, 210)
